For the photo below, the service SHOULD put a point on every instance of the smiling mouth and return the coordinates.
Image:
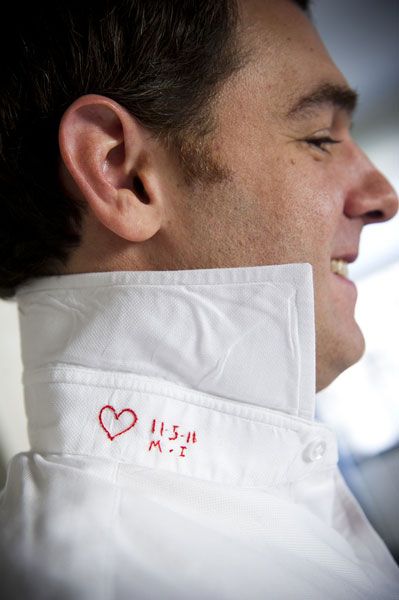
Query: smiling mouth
(340, 267)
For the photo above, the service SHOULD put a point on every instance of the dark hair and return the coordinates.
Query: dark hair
(163, 60)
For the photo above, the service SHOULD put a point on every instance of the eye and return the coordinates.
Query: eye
(321, 143)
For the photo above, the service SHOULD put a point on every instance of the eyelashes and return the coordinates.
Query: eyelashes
(321, 143)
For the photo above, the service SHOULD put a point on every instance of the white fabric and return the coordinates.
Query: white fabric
(174, 450)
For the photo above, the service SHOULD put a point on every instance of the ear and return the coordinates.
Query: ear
(110, 158)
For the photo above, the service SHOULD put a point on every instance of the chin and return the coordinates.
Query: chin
(336, 356)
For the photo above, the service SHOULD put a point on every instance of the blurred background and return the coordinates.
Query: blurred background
(362, 405)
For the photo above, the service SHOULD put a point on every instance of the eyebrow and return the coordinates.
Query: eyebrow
(340, 96)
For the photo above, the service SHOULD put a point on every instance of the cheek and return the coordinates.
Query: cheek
(305, 204)
(285, 200)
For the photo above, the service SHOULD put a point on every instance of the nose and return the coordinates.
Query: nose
(372, 198)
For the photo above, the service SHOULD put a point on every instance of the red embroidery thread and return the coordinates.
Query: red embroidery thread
(175, 432)
(194, 437)
(116, 416)
(191, 437)
(155, 444)
(154, 422)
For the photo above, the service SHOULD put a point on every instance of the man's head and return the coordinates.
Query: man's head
(217, 136)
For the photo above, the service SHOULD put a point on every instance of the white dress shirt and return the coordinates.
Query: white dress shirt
(174, 448)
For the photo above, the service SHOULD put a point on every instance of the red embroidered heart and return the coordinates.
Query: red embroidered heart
(117, 416)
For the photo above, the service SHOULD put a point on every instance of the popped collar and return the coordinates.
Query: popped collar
(208, 372)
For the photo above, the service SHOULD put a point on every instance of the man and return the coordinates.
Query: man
(182, 196)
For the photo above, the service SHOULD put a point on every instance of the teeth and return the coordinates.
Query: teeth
(340, 267)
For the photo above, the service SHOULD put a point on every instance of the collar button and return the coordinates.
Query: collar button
(315, 450)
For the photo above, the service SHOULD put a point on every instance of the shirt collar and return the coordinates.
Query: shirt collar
(245, 334)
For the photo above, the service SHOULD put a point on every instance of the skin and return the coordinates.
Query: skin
(281, 197)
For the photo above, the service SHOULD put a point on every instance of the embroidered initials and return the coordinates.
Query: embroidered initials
(190, 436)
(109, 415)
(126, 419)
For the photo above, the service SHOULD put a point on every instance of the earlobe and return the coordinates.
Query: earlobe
(107, 154)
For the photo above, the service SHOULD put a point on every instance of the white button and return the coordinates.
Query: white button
(315, 450)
